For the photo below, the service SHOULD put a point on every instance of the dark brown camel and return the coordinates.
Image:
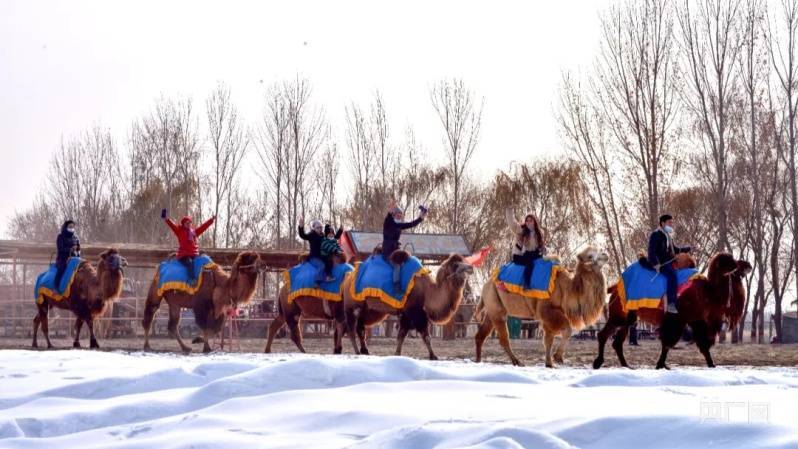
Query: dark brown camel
(92, 291)
(219, 293)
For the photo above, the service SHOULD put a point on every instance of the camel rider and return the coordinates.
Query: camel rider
(67, 245)
(661, 252)
(392, 229)
(314, 239)
(187, 236)
(330, 248)
(528, 244)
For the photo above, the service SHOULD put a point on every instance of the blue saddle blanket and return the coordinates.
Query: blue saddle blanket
(374, 278)
(45, 282)
(301, 281)
(173, 275)
(640, 287)
(544, 273)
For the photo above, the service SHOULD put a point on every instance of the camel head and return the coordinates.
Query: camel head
(455, 271)
(110, 270)
(593, 258)
(244, 276)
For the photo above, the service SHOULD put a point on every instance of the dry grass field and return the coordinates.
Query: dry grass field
(580, 353)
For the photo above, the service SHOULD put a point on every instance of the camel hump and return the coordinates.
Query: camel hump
(399, 257)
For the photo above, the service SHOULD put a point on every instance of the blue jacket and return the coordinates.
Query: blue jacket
(661, 248)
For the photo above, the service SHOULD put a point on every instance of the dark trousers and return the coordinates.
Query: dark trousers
(328, 265)
(528, 261)
(188, 262)
(670, 277)
(60, 267)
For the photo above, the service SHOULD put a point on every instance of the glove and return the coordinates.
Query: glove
(423, 209)
(163, 214)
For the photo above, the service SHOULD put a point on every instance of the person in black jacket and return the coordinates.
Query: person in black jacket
(661, 252)
(314, 239)
(67, 245)
(392, 229)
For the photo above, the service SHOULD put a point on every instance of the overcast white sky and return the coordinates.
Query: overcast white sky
(67, 65)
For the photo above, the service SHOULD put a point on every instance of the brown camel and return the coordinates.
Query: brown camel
(311, 307)
(431, 300)
(619, 319)
(92, 291)
(705, 304)
(218, 293)
(576, 301)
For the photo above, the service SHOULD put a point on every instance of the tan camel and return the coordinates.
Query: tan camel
(576, 301)
(218, 293)
(431, 300)
(90, 293)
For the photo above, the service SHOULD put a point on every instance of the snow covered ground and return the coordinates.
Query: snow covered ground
(84, 399)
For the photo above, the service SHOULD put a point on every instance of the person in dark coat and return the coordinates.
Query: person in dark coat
(392, 228)
(67, 245)
(661, 252)
(314, 239)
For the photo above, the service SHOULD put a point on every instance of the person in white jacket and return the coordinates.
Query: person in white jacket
(528, 244)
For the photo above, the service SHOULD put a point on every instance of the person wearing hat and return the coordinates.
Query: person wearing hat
(392, 229)
(330, 248)
(661, 252)
(314, 239)
(187, 236)
(67, 245)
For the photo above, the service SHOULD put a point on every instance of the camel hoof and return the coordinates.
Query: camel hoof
(206, 349)
(433, 357)
(267, 350)
(34, 345)
(549, 365)
(338, 350)
(662, 365)
(364, 351)
(478, 360)
(186, 350)
(597, 363)
(518, 363)
(147, 348)
(49, 346)
(197, 340)
(76, 344)
(711, 365)
(93, 344)
(559, 360)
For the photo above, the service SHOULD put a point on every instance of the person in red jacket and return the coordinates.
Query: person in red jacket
(187, 236)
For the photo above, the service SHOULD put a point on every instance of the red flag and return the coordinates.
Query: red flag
(476, 259)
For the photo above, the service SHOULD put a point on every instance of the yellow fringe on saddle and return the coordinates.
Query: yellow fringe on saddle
(371, 292)
(529, 293)
(182, 286)
(312, 292)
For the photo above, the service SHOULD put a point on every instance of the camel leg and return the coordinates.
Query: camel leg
(36, 322)
(339, 323)
(703, 341)
(400, 339)
(274, 327)
(206, 347)
(174, 327)
(92, 340)
(603, 335)
(559, 354)
(504, 340)
(548, 342)
(670, 332)
(485, 328)
(617, 345)
(350, 329)
(45, 326)
(150, 308)
(78, 327)
(361, 336)
(295, 331)
(428, 342)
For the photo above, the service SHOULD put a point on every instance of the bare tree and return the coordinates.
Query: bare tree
(460, 114)
(229, 142)
(585, 132)
(711, 38)
(636, 83)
